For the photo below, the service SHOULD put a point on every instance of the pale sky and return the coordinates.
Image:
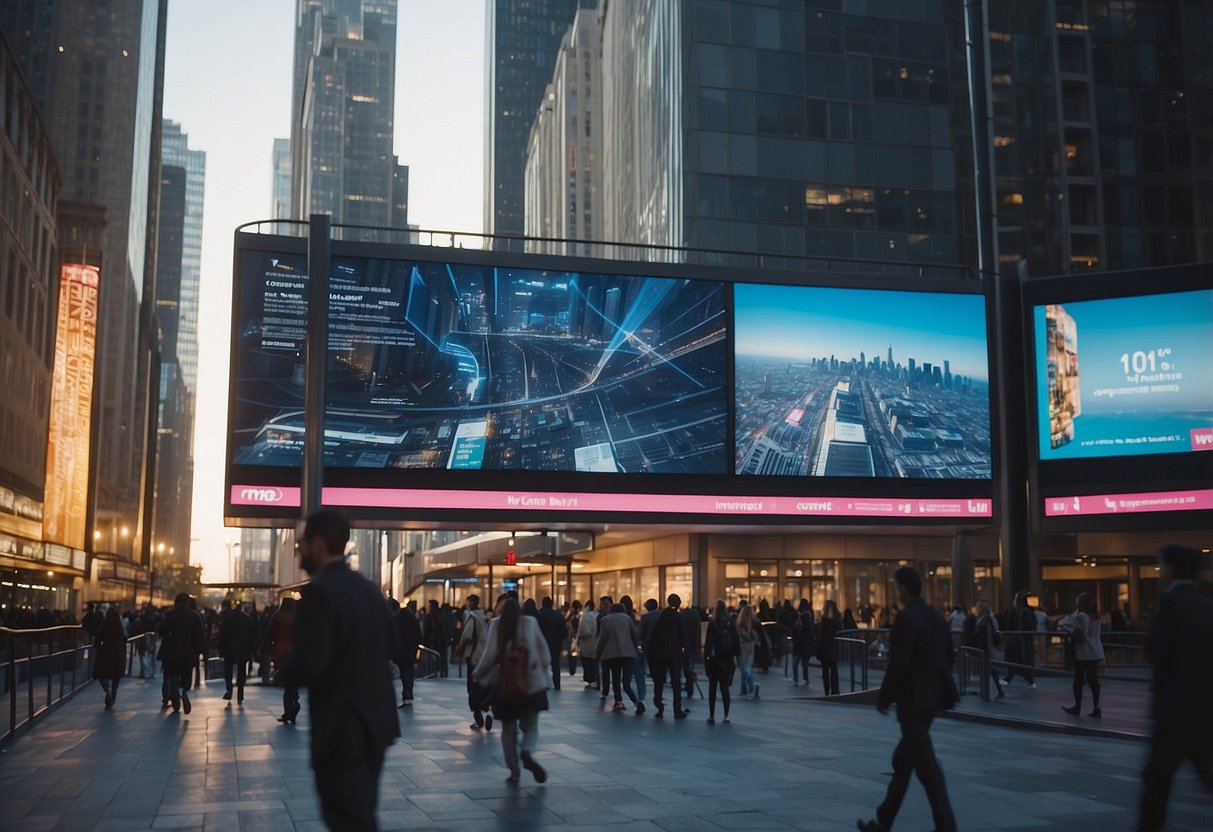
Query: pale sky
(227, 80)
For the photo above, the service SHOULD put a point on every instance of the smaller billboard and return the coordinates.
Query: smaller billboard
(1124, 376)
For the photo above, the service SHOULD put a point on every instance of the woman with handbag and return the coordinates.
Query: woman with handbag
(1088, 653)
(515, 664)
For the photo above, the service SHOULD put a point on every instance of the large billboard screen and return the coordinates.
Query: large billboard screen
(479, 387)
(67, 447)
(1125, 376)
(839, 382)
(1122, 398)
(439, 365)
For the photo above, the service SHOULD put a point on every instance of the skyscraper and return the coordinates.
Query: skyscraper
(342, 114)
(281, 185)
(178, 274)
(564, 151)
(522, 39)
(96, 71)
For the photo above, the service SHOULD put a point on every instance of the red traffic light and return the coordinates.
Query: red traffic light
(511, 558)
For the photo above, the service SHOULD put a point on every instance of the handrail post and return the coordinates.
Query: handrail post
(12, 682)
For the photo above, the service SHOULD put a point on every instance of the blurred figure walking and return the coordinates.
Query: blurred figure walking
(721, 647)
(110, 664)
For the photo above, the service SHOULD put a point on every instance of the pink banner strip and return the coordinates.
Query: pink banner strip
(546, 501)
(1128, 503)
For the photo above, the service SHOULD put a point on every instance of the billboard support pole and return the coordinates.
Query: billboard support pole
(316, 368)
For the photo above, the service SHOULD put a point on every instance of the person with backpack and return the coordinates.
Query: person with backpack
(470, 649)
(827, 649)
(515, 663)
(804, 643)
(721, 647)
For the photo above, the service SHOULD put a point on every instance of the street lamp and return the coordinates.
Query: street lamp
(233, 552)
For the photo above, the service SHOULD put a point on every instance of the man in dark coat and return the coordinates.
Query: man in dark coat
(183, 642)
(551, 624)
(919, 682)
(408, 639)
(235, 647)
(1180, 645)
(668, 648)
(343, 643)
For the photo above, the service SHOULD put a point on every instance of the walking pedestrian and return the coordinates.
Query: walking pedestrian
(551, 625)
(635, 671)
(721, 647)
(827, 648)
(804, 642)
(184, 641)
(587, 632)
(278, 644)
(668, 648)
(985, 637)
(1088, 653)
(572, 621)
(616, 649)
(919, 682)
(235, 648)
(408, 639)
(343, 643)
(748, 636)
(472, 643)
(110, 644)
(515, 660)
(691, 638)
(1180, 645)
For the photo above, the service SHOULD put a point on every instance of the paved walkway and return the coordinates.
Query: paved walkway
(785, 762)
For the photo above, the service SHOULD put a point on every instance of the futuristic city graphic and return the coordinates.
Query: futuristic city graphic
(436, 365)
(861, 383)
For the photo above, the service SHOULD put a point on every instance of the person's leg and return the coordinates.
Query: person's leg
(616, 669)
(658, 670)
(288, 703)
(348, 785)
(903, 766)
(509, 746)
(834, 678)
(477, 715)
(713, 683)
(241, 678)
(688, 670)
(926, 766)
(676, 685)
(408, 671)
(997, 681)
(114, 688)
(726, 682)
(1166, 754)
(555, 664)
(638, 673)
(1093, 683)
(1079, 672)
(229, 665)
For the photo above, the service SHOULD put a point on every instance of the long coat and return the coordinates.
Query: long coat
(183, 641)
(919, 675)
(235, 635)
(344, 639)
(110, 642)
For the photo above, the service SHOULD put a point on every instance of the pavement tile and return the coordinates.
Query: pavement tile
(785, 762)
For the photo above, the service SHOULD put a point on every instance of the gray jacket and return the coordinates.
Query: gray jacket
(617, 637)
(1091, 649)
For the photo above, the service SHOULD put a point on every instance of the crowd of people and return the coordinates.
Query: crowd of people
(340, 639)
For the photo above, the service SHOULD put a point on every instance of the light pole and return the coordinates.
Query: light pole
(233, 552)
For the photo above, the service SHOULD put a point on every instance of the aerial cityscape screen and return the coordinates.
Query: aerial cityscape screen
(438, 365)
(837, 382)
(1124, 376)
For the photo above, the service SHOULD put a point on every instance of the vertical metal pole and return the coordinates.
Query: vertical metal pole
(316, 368)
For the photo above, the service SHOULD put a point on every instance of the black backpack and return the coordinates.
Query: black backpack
(726, 644)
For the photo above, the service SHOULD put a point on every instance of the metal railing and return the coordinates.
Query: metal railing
(855, 649)
(40, 669)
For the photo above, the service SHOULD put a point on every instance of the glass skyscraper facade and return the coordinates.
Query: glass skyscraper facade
(522, 39)
(342, 162)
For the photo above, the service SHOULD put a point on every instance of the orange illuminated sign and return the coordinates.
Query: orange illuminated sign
(67, 449)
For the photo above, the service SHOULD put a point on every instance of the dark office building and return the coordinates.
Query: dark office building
(1103, 133)
(523, 38)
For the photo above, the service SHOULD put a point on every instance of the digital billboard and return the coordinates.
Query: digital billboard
(461, 367)
(841, 382)
(1121, 398)
(1124, 376)
(469, 387)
